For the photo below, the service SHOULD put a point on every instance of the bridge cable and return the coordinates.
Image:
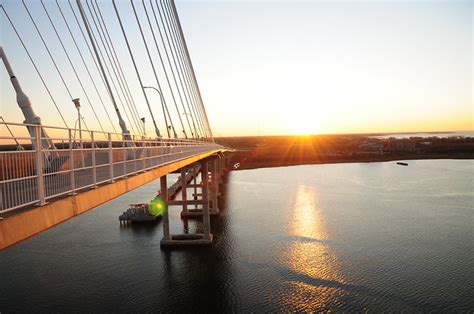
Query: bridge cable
(170, 64)
(199, 106)
(50, 55)
(113, 69)
(122, 124)
(180, 70)
(109, 50)
(176, 44)
(136, 69)
(72, 65)
(98, 65)
(164, 105)
(163, 64)
(178, 54)
(85, 65)
(89, 48)
(184, 68)
(164, 69)
(122, 77)
(173, 54)
(192, 69)
(34, 65)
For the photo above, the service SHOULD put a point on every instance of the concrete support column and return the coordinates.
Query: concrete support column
(206, 221)
(195, 189)
(184, 191)
(215, 184)
(222, 166)
(164, 196)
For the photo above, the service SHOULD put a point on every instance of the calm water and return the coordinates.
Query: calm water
(438, 134)
(351, 237)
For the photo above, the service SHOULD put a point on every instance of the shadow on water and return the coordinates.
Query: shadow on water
(146, 229)
(206, 269)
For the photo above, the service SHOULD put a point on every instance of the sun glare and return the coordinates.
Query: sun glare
(305, 125)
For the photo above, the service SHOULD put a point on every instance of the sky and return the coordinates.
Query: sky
(276, 67)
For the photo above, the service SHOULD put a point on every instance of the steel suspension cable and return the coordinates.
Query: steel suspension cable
(199, 104)
(187, 64)
(88, 46)
(164, 70)
(164, 105)
(184, 68)
(123, 126)
(170, 65)
(121, 75)
(173, 54)
(186, 88)
(34, 65)
(105, 46)
(163, 65)
(85, 65)
(136, 69)
(47, 49)
(192, 70)
(72, 65)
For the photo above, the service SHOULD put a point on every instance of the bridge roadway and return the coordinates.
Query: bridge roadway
(36, 195)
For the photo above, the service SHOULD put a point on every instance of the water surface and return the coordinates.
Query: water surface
(353, 237)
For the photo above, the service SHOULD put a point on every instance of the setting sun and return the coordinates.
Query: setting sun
(305, 125)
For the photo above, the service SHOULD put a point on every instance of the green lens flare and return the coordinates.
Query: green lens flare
(157, 207)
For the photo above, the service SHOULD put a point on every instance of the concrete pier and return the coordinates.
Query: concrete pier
(209, 190)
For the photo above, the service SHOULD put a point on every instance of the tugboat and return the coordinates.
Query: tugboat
(143, 212)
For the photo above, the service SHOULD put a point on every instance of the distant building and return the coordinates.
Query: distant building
(402, 146)
(371, 147)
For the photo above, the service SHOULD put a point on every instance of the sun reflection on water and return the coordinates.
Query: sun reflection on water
(312, 271)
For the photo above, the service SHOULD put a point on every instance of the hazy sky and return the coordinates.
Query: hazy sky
(284, 67)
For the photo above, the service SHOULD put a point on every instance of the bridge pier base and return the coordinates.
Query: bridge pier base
(183, 240)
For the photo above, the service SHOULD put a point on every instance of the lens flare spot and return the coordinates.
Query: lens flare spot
(157, 207)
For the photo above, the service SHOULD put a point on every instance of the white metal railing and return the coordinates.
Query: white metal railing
(81, 159)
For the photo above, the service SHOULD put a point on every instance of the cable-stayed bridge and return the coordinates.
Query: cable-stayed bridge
(85, 77)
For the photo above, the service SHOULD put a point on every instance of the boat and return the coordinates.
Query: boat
(140, 213)
(402, 163)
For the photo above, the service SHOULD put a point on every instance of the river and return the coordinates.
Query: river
(347, 237)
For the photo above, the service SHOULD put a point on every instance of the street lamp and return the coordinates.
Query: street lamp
(78, 107)
(79, 118)
(164, 113)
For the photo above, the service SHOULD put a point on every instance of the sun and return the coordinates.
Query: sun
(304, 125)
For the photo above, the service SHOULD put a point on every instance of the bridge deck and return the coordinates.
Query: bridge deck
(22, 224)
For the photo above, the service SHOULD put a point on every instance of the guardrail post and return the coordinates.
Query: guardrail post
(124, 156)
(39, 166)
(111, 158)
(71, 163)
(143, 153)
(94, 169)
(134, 149)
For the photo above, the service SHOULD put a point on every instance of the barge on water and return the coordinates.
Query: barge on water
(402, 163)
(140, 213)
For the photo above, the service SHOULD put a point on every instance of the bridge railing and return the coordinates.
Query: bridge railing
(78, 159)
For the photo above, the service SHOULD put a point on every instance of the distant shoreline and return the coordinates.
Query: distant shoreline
(263, 152)
(265, 164)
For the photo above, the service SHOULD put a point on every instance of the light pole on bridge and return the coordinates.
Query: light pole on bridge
(168, 127)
